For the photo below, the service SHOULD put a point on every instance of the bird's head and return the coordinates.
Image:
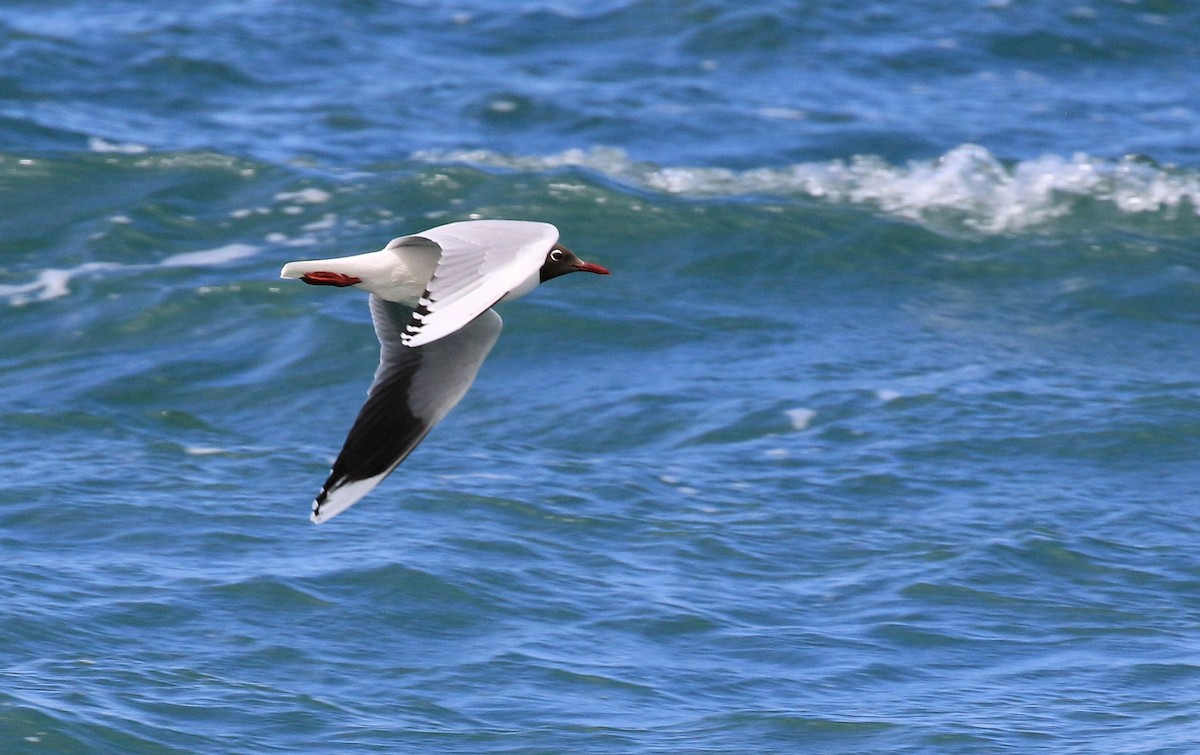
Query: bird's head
(561, 260)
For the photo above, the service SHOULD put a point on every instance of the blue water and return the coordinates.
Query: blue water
(884, 435)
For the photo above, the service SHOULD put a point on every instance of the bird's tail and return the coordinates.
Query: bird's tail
(298, 269)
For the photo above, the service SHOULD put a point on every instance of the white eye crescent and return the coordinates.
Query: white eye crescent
(556, 255)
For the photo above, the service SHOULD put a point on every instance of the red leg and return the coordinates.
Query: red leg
(329, 279)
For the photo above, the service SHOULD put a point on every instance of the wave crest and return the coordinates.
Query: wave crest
(967, 185)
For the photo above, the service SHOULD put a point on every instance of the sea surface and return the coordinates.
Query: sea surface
(883, 436)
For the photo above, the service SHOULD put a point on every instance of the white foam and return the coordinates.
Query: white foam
(800, 417)
(783, 113)
(54, 283)
(96, 144)
(489, 476)
(305, 196)
(203, 450)
(327, 222)
(968, 183)
(246, 212)
(959, 379)
(210, 257)
(607, 160)
(282, 239)
(51, 283)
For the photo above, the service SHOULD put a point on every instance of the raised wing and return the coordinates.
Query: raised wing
(413, 390)
(481, 262)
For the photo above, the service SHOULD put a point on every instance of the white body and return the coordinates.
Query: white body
(475, 263)
(398, 272)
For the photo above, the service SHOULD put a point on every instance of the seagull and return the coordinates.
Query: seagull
(431, 303)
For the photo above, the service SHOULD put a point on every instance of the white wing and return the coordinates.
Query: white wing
(413, 390)
(481, 262)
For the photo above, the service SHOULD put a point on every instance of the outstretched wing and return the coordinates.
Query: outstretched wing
(413, 390)
(481, 262)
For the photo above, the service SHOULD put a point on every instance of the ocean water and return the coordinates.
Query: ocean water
(883, 436)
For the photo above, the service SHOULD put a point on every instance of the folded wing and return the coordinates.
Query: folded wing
(413, 390)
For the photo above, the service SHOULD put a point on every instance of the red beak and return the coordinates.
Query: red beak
(588, 267)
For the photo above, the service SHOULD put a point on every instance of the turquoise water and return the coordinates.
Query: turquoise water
(882, 437)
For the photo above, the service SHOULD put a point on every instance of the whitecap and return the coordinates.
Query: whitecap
(245, 212)
(282, 239)
(51, 283)
(327, 222)
(311, 195)
(606, 160)
(968, 183)
(96, 144)
(209, 257)
(54, 283)
(203, 450)
(800, 417)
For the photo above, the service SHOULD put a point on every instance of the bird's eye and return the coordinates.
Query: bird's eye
(556, 255)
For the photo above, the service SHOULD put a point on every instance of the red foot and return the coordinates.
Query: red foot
(329, 279)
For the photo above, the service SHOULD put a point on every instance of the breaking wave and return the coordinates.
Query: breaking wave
(54, 283)
(967, 185)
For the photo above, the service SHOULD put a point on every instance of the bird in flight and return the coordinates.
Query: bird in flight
(431, 303)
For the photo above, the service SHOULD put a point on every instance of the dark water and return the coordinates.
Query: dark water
(882, 437)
